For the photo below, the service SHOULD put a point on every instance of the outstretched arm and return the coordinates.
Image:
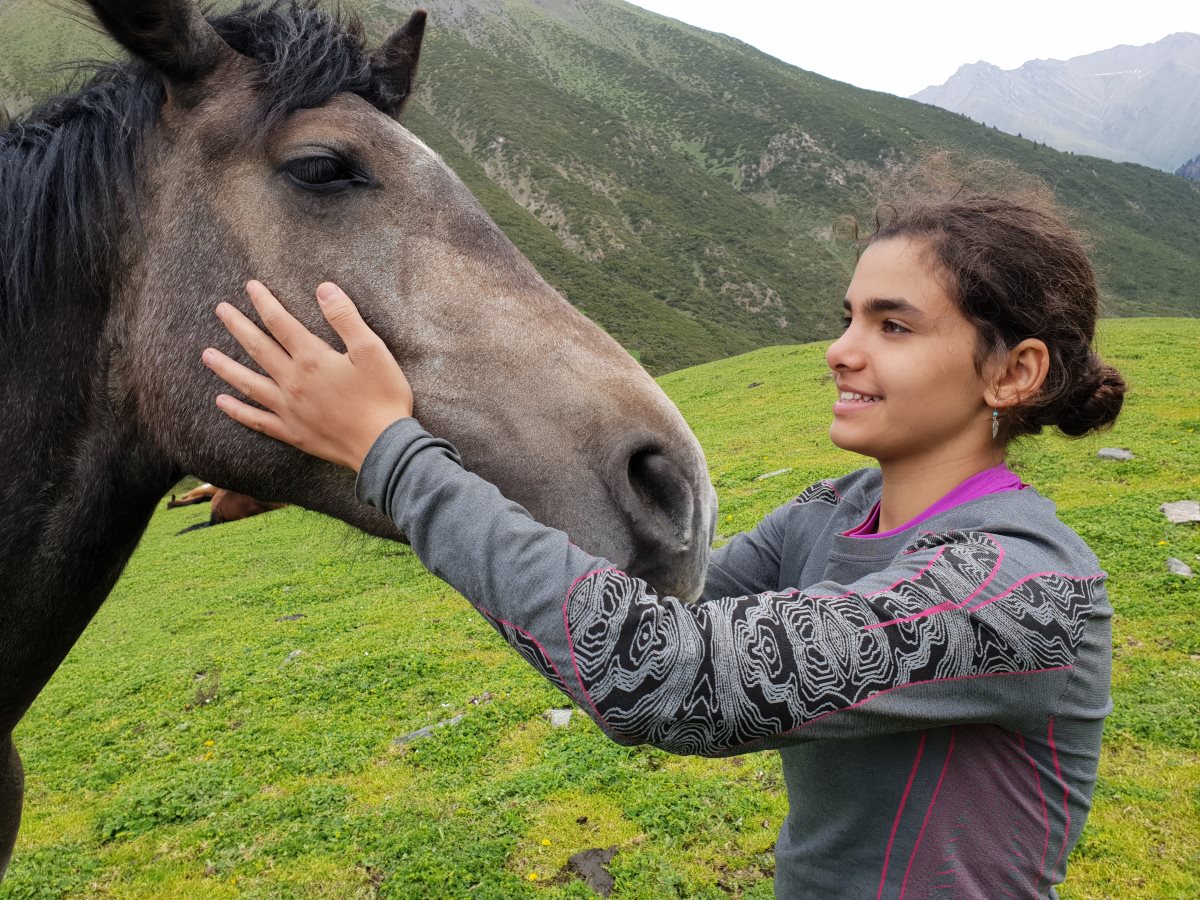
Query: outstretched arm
(936, 638)
(927, 641)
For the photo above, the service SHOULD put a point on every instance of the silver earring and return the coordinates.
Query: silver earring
(995, 423)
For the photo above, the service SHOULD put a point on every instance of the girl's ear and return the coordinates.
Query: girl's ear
(1019, 374)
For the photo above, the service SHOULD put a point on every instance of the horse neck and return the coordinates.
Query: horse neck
(78, 484)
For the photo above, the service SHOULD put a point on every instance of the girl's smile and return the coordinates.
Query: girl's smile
(851, 401)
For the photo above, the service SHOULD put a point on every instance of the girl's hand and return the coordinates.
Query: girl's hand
(328, 404)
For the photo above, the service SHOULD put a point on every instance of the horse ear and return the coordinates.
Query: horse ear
(396, 61)
(171, 35)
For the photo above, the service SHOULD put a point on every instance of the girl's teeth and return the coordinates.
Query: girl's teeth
(866, 398)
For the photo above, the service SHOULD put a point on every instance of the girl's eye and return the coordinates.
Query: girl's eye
(321, 173)
(894, 328)
(845, 322)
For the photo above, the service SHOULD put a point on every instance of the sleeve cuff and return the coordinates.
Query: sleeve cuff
(373, 477)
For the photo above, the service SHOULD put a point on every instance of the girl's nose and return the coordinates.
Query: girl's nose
(844, 352)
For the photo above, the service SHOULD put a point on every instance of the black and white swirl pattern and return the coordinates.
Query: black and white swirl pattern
(719, 675)
(524, 643)
(821, 492)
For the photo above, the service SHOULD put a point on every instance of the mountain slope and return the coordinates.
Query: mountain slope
(1130, 104)
(679, 186)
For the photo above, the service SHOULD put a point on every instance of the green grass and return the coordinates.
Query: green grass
(185, 750)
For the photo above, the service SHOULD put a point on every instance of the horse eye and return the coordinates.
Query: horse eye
(321, 173)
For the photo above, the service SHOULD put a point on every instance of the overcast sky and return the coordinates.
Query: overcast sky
(903, 47)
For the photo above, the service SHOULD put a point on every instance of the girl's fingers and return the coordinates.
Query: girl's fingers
(261, 347)
(293, 336)
(252, 417)
(362, 344)
(254, 386)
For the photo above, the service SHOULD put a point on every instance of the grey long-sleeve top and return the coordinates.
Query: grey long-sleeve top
(937, 696)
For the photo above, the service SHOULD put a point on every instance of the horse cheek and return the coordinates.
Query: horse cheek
(172, 322)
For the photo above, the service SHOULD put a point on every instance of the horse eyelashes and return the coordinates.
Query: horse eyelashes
(321, 173)
(317, 170)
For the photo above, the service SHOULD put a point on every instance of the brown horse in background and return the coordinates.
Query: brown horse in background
(200, 494)
(265, 143)
(224, 506)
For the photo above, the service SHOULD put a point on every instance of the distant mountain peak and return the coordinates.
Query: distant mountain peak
(1190, 169)
(1182, 39)
(1127, 103)
(982, 65)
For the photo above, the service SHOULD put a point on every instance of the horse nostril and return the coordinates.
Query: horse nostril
(665, 499)
(663, 509)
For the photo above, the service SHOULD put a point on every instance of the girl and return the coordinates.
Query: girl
(925, 642)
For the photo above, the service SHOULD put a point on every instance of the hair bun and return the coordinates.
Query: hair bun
(1096, 402)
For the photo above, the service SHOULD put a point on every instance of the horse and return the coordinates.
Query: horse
(230, 506)
(225, 506)
(266, 143)
(200, 494)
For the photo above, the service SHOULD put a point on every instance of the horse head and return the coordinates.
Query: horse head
(276, 153)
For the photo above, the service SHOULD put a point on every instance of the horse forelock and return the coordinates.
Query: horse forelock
(69, 166)
(304, 55)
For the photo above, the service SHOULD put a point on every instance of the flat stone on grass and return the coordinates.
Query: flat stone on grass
(1115, 453)
(1181, 511)
(772, 474)
(427, 731)
(1178, 567)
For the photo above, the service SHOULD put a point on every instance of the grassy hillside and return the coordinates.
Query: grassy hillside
(227, 727)
(679, 186)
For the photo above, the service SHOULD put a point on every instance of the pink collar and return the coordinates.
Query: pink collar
(989, 481)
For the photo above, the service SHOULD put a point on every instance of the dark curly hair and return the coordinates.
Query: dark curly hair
(1017, 270)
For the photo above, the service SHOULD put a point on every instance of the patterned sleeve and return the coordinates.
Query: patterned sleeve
(936, 638)
(924, 643)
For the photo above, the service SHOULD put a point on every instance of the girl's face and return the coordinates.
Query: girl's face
(904, 368)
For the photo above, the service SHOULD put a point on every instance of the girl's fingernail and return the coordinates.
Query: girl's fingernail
(207, 356)
(327, 292)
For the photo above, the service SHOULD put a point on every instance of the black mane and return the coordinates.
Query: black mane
(68, 167)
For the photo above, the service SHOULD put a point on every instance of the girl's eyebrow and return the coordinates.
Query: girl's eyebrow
(878, 305)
